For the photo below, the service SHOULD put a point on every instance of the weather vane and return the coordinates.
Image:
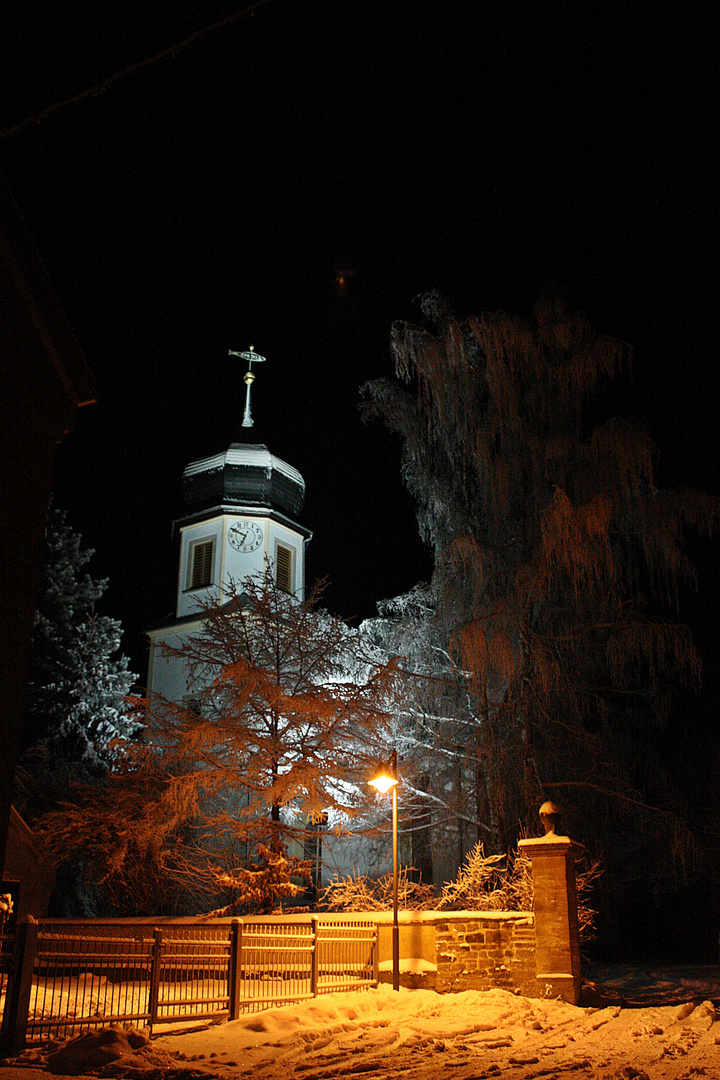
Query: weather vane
(252, 358)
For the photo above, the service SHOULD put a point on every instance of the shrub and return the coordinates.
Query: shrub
(483, 883)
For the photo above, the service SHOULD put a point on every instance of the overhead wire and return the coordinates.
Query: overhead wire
(101, 87)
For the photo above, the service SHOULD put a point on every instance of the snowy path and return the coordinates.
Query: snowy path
(420, 1035)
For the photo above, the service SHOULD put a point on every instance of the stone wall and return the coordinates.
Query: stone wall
(480, 951)
(450, 951)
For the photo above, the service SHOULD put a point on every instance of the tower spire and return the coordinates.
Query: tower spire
(248, 378)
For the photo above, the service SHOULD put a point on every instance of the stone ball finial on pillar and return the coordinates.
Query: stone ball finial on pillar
(550, 817)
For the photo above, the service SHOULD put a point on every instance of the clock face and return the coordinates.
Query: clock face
(245, 536)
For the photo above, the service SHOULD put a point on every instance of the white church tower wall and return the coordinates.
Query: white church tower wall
(241, 518)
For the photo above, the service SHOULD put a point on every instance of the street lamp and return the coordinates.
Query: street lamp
(384, 780)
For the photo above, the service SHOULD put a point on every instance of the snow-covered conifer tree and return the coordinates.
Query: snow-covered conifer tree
(77, 693)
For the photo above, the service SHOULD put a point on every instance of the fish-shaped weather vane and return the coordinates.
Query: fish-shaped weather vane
(248, 378)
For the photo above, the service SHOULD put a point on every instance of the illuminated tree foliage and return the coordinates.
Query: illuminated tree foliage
(433, 719)
(558, 569)
(286, 714)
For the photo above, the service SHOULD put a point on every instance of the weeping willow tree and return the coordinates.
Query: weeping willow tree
(558, 570)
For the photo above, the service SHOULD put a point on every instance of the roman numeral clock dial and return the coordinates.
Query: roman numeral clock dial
(245, 536)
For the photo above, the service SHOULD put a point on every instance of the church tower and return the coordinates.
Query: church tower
(241, 507)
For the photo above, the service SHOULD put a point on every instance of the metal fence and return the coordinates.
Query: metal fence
(277, 965)
(291, 963)
(193, 977)
(88, 981)
(67, 978)
(347, 955)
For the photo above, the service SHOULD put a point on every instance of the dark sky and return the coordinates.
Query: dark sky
(213, 199)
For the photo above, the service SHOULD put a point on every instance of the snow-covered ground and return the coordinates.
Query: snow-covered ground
(419, 1035)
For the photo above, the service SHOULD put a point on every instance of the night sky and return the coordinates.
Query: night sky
(293, 180)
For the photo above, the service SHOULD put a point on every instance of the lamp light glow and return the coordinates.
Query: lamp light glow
(382, 780)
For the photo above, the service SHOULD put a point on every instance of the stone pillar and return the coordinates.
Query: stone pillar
(557, 945)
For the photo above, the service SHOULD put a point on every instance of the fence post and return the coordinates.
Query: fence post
(376, 956)
(17, 999)
(315, 971)
(155, 976)
(235, 972)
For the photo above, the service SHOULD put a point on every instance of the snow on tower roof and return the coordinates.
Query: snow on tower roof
(244, 474)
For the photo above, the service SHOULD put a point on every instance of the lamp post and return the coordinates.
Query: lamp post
(384, 780)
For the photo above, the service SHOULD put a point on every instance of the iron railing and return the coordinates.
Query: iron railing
(347, 955)
(277, 965)
(71, 977)
(88, 982)
(193, 977)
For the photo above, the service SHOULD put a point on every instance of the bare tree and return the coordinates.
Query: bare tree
(289, 707)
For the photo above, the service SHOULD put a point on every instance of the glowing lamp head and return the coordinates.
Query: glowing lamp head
(384, 779)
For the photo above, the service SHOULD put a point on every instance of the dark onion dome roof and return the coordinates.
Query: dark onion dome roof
(243, 475)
